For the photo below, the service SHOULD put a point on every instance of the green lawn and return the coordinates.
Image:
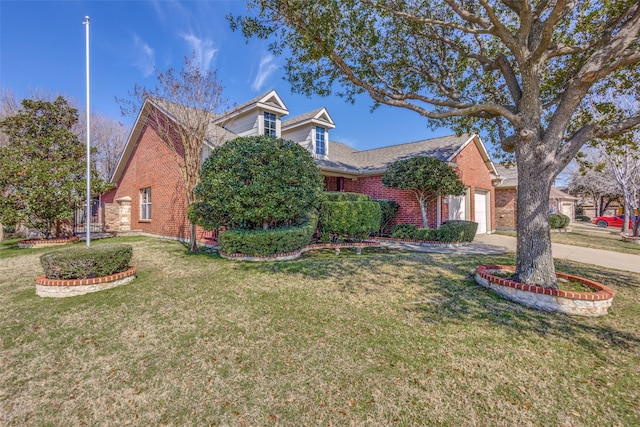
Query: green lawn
(384, 338)
(596, 240)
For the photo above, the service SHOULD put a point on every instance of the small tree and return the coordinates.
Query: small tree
(256, 182)
(427, 178)
(182, 107)
(43, 172)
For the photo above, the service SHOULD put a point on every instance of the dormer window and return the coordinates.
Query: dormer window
(320, 141)
(269, 124)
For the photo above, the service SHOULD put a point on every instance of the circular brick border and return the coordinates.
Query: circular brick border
(59, 288)
(43, 243)
(296, 254)
(591, 304)
(630, 239)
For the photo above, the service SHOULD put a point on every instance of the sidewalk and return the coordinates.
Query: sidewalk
(608, 259)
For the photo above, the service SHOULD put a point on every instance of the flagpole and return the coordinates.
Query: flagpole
(88, 217)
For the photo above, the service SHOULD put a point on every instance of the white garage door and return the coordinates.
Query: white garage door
(480, 202)
(457, 207)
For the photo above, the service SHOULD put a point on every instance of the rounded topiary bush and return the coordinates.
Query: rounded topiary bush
(83, 263)
(558, 220)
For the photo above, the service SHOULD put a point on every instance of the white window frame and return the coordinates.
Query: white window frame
(271, 119)
(145, 204)
(323, 139)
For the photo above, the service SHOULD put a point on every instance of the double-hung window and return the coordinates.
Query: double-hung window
(320, 141)
(269, 124)
(145, 203)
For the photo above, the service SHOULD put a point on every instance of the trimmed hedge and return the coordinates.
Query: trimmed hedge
(268, 242)
(449, 232)
(84, 263)
(558, 220)
(583, 218)
(350, 219)
(469, 229)
(340, 196)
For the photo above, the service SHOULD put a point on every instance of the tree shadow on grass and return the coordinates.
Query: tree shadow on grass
(452, 296)
(465, 301)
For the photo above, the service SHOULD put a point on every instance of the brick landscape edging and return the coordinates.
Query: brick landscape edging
(58, 288)
(42, 243)
(296, 254)
(430, 243)
(631, 239)
(579, 303)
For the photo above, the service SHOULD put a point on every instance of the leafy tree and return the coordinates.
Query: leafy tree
(517, 69)
(43, 171)
(256, 183)
(180, 109)
(426, 177)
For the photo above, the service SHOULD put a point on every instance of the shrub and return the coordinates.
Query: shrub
(268, 242)
(469, 228)
(351, 219)
(457, 231)
(404, 231)
(558, 220)
(339, 196)
(82, 263)
(583, 218)
(389, 210)
(256, 183)
(426, 234)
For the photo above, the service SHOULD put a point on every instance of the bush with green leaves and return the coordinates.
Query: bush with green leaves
(583, 218)
(404, 231)
(389, 210)
(558, 220)
(341, 196)
(82, 263)
(257, 182)
(457, 231)
(268, 242)
(449, 232)
(352, 220)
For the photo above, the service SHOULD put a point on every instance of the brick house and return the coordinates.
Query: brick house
(507, 199)
(149, 197)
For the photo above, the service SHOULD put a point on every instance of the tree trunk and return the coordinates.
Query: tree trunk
(423, 212)
(193, 247)
(534, 260)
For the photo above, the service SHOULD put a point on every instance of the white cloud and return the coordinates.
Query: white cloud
(144, 56)
(203, 49)
(267, 67)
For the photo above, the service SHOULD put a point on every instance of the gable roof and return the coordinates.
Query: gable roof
(508, 176)
(377, 160)
(215, 134)
(318, 116)
(269, 100)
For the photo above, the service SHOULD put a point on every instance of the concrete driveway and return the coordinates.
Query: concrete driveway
(608, 259)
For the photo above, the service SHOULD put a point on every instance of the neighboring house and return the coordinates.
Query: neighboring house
(149, 195)
(507, 199)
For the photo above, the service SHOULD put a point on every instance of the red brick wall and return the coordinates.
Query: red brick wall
(153, 164)
(472, 172)
(506, 203)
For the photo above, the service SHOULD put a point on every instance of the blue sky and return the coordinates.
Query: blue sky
(42, 47)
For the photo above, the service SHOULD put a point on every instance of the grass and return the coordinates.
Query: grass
(384, 338)
(595, 240)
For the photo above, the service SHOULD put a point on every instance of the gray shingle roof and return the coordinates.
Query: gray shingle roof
(509, 175)
(443, 148)
(300, 118)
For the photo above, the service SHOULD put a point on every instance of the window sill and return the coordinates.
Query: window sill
(144, 220)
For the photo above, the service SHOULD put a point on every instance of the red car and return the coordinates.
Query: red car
(611, 221)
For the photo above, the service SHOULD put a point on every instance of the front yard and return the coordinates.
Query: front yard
(384, 338)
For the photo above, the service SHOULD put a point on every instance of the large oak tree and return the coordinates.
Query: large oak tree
(518, 70)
